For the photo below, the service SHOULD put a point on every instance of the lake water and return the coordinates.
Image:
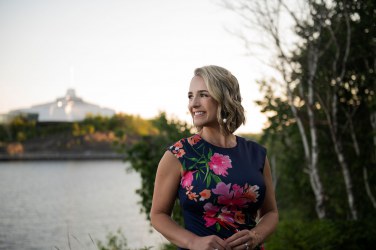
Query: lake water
(66, 204)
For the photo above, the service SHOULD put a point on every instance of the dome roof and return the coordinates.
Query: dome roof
(68, 108)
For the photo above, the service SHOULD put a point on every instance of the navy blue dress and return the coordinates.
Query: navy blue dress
(221, 189)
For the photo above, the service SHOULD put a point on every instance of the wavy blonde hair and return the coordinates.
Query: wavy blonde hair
(224, 88)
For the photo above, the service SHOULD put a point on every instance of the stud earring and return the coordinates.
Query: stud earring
(224, 120)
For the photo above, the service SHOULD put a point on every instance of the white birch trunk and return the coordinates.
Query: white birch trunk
(311, 157)
(332, 118)
(265, 15)
(314, 171)
(357, 151)
(311, 149)
(347, 178)
(365, 173)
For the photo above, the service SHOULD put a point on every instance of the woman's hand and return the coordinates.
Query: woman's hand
(211, 242)
(245, 239)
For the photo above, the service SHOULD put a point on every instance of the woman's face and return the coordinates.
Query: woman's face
(202, 106)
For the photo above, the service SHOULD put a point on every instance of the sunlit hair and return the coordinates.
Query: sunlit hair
(224, 88)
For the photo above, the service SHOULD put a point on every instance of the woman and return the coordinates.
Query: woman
(223, 181)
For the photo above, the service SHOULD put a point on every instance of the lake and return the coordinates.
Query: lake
(70, 204)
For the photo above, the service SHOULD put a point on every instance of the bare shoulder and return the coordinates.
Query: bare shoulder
(169, 164)
(166, 184)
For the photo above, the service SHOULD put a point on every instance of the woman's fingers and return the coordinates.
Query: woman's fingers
(241, 240)
(211, 243)
(221, 244)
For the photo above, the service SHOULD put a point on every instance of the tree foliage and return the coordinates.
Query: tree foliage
(321, 109)
(323, 234)
(146, 153)
(21, 128)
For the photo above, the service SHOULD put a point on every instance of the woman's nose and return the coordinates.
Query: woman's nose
(195, 102)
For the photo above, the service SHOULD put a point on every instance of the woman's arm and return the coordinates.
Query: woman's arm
(167, 182)
(268, 214)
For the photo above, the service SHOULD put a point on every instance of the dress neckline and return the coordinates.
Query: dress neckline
(218, 147)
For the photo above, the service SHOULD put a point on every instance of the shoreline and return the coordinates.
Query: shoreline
(61, 156)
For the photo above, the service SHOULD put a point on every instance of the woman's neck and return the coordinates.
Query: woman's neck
(215, 137)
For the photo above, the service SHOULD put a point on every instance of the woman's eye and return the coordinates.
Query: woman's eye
(190, 96)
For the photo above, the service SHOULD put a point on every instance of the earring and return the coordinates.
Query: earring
(224, 120)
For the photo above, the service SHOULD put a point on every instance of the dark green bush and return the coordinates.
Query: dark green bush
(116, 241)
(323, 235)
(145, 154)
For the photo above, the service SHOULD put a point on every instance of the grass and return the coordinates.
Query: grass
(114, 241)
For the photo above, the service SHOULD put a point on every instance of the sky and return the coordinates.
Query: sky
(136, 57)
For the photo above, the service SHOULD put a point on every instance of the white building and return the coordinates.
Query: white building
(69, 108)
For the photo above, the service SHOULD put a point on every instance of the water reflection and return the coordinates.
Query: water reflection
(49, 205)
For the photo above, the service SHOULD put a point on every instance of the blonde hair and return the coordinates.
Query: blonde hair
(224, 88)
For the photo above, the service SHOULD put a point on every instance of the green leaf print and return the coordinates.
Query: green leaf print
(201, 171)
(197, 175)
(217, 226)
(216, 178)
(208, 180)
(207, 171)
(184, 165)
(210, 154)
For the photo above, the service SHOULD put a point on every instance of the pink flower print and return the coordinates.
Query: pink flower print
(192, 196)
(236, 187)
(219, 164)
(223, 217)
(194, 139)
(205, 194)
(177, 149)
(210, 221)
(223, 190)
(251, 193)
(187, 178)
(229, 198)
(180, 153)
(177, 146)
(226, 218)
(211, 209)
(238, 191)
(210, 214)
(239, 217)
(226, 215)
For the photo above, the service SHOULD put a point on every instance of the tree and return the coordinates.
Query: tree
(145, 154)
(326, 80)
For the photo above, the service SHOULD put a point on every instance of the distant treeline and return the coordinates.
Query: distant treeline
(96, 136)
(21, 128)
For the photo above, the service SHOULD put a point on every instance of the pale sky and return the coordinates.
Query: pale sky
(136, 57)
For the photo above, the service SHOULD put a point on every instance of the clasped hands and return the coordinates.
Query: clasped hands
(244, 239)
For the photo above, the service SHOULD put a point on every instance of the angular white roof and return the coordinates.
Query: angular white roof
(69, 108)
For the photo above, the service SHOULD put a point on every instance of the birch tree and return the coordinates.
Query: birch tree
(314, 96)
(266, 15)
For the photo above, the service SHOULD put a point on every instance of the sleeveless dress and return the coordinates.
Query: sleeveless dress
(221, 189)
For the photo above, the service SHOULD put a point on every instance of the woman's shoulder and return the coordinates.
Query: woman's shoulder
(255, 150)
(182, 146)
(251, 144)
(191, 140)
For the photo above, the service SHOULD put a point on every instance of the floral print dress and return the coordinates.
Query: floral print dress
(221, 189)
